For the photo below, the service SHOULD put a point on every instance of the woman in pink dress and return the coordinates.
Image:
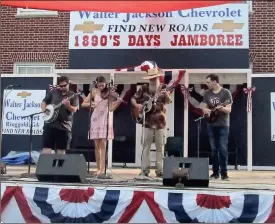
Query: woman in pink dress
(98, 127)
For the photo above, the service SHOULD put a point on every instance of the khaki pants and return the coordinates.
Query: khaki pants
(160, 137)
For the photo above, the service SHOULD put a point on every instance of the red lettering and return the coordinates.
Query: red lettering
(156, 40)
(193, 40)
(146, 40)
(94, 41)
(212, 40)
(220, 41)
(76, 44)
(203, 40)
(207, 40)
(174, 42)
(85, 41)
(103, 40)
(239, 40)
(116, 42)
(131, 40)
(140, 41)
(230, 40)
(182, 41)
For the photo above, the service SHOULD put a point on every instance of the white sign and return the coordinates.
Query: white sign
(20, 103)
(272, 115)
(222, 26)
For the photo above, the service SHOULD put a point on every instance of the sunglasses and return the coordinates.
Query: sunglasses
(62, 86)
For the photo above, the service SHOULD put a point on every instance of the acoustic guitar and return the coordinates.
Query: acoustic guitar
(214, 114)
(148, 104)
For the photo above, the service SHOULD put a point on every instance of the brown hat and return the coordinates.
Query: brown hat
(153, 73)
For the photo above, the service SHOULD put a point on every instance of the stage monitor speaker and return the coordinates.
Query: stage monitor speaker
(67, 168)
(198, 171)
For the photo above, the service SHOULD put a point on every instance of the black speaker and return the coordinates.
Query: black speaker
(70, 168)
(198, 171)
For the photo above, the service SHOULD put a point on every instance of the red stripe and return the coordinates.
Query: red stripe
(17, 193)
(132, 208)
(9, 192)
(24, 207)
(138, 198)
(154, 207)
(271, 217)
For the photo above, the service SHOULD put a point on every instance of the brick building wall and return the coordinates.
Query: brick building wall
(33, 39)
(261, 34)
(46, 39)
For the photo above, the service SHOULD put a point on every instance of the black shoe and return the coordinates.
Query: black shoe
(225, 177)
(214, 176)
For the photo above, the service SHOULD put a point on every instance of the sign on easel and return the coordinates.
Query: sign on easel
(19, 103)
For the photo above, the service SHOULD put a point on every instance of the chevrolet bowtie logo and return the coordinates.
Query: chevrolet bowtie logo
(227, 26)
(24, 94)
(88, 27)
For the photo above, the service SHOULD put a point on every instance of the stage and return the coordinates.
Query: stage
(247, 197)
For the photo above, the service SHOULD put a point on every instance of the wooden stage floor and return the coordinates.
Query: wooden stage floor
(125, 177)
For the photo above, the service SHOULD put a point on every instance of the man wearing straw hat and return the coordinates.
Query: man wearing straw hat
(155, 120)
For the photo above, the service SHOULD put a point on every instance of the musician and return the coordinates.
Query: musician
(155, 121)
(218, 131)
(58, 133)
(98, 127)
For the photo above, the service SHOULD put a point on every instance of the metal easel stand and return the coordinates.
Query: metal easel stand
(29, 175)
(198, 120)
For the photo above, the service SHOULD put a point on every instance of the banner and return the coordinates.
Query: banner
(272, 116)
(222, 26)
(19, 103)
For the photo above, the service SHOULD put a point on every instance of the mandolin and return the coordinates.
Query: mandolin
(214, 114)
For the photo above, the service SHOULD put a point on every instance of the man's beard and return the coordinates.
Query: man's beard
(153, 87)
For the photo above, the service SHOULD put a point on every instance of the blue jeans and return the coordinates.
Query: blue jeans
(218, 138)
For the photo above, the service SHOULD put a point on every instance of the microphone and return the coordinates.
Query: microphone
(111, 82)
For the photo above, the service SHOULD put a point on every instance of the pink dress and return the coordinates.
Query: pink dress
(98, 128)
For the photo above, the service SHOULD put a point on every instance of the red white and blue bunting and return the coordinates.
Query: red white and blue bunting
(28, 203)
(146, 65)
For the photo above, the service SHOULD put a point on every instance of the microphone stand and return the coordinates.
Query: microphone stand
(89, 134)
(29, 175)
(199, 131)
(107, 176)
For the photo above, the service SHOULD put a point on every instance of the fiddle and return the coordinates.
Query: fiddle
(104, 94)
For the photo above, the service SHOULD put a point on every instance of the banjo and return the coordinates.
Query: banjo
(51, 112)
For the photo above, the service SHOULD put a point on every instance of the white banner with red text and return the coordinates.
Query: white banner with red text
(221, 26)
